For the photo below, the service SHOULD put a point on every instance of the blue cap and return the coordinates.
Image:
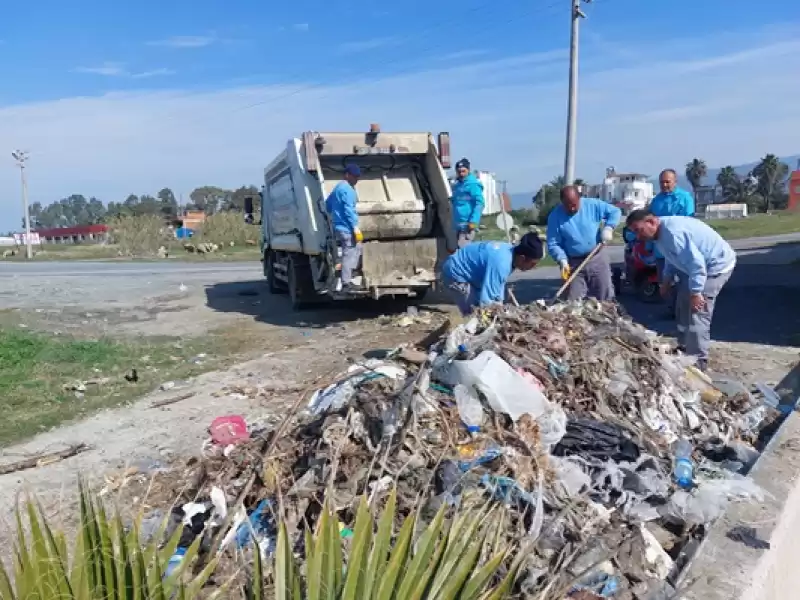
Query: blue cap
(352, 169)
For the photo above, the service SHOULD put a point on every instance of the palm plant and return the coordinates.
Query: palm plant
(106, 562)
(771, 174)
(457, 558)
(729, 182)
(696, 171)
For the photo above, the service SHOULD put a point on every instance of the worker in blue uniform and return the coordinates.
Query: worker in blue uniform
(476, 274)
(341, 206)
(468, 201)
(574, 229)
(671, 201)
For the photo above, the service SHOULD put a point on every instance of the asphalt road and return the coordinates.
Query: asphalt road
(758, 305)
(771, 245)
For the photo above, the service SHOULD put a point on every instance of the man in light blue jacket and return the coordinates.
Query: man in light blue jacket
(467, 202)
(705, 262)
(341, 206)
(574, 228)
(477, 273)
(671, 201)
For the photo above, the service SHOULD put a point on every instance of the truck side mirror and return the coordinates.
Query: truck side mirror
(248, 209)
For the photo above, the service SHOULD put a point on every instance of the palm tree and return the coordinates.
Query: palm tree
(771, 174)
(728, 181)
(696, 171)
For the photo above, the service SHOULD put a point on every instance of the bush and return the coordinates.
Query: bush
(139, 236)
(227, 227)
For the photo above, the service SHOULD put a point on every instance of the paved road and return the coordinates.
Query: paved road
(166, 267)
(758, 305)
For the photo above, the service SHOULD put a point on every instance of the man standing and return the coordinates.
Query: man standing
(671, 201)
(704, 262)
(467, 202)
(477, 273)
(573, 231)
(341, 206)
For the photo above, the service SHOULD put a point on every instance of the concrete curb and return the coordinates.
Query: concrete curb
(724, 569)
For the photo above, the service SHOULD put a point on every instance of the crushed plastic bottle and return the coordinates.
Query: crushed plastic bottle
(469, 408)
(684, 468)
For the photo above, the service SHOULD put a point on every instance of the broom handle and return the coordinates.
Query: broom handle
(577, 271)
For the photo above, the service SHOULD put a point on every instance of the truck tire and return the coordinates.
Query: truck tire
(301, 284)
(275, 285)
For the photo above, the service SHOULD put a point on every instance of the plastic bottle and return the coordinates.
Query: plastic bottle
(475, 344)
(175, 561)
(684, 468)
(469, 408)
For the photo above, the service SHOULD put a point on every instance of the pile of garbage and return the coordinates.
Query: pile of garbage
(610, 452)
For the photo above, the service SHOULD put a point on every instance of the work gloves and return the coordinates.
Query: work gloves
(471, 227)
(565, 270)
(606, 235)
(358, 237)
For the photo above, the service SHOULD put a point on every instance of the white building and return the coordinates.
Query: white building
(628, 191)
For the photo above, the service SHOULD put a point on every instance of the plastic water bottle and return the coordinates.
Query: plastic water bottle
(175, 561)
(469, 408)
(684, 468)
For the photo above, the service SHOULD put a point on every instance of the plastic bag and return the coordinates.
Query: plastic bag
(506, 390)
(335, 396)
(710, 498)
(570, 475)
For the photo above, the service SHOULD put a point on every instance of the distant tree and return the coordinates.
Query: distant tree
(696, 171)
(580, 182)
(235, 200)
(209, 198)
(169, 205)
(548, 196)
(728, 182)
(771, 174)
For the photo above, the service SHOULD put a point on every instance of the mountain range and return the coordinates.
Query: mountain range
(524, 199)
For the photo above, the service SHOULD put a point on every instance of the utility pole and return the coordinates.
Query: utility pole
(21, 156)
(576, 14)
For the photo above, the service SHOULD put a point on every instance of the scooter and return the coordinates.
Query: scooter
(639, 273)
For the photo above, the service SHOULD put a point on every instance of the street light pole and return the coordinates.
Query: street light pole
(21, 157)
(572, 104)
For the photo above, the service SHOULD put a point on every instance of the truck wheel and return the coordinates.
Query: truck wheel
(301, 285)
(275, 285)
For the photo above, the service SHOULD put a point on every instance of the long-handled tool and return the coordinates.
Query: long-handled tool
(577, 270)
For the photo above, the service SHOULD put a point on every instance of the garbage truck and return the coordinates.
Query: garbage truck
(403, 207)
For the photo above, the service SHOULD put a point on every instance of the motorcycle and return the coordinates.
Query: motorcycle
(639, 273)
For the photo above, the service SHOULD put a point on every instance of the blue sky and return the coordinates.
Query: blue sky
(112, 100)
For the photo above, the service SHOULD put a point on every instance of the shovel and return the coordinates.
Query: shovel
(579, 268)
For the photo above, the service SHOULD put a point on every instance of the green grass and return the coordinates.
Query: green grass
(35, 367)
(757, 225)
(54, 252)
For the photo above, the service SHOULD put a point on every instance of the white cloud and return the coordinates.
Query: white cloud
(303, 27)
(371, 44)
(185, 41)
(659, 109)
(112, 69)
(109, 69)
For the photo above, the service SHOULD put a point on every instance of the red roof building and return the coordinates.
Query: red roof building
(74, 235)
